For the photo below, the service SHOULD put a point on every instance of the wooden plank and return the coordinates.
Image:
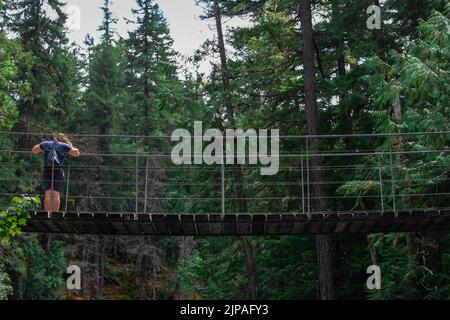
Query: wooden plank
(174, 224)
(258, 224)
(130, 224)
(373, 219)
(48, 220)
(37, 226)
(41, 214)
(445, 214)
(344, 222)
(402, 221)
(61, 223)
(229, 224)
(34, 224)
(446, 224)
(273, 224)
(386, 222)
(244, 224)
(315, 223)
(103, 223)
(287, 223)
(408, 223)
(201, 220)
(188, 224)
(437, 221)
(424, 217)
(146, 223)
(363, 217)
(159, 220)
(300, 224)
(66, 227)
(87, 219)
(216, 224)
(358, 222)
(329, 223)
(118, 224)
(73, 221)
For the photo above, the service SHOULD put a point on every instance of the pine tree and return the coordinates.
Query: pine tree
(13, 60)
(151, 67)
(105, 94)
(53, 74)
(108, 24)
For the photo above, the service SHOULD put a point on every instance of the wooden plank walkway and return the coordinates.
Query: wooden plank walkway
(238, 224)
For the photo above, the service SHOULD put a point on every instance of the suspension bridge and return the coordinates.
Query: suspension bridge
(384, 183)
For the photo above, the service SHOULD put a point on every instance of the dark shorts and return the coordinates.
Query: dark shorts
(59, 180)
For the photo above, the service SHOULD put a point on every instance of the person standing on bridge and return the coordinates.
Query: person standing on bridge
(54, 179)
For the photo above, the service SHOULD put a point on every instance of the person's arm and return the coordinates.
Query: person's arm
(36, 149)
(68, 149)
(74, 152)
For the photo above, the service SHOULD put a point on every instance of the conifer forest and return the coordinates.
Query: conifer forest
(356, 92)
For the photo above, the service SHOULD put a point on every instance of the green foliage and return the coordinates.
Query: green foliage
(12, 58)
(391, 80)
(52, 71)
(215, 276)
(15, 217)
(45, 270)
(37, 267)
(5, 284)
(107, 26)
(400, 269)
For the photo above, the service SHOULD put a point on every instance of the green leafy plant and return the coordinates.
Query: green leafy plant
(5, 284)
(15, 217)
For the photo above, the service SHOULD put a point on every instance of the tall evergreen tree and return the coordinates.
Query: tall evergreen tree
(324, 246)
(105, 94)
(151, 67)
(53, 74)
(108, 24)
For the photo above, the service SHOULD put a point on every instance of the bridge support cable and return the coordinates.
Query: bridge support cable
(380, 182)
(391, 165)
(67, 186)
(137, 185)
(303, 184)
(222, 184)
(146, 185)
(307, 177)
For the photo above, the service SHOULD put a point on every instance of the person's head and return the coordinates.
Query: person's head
(61, 137)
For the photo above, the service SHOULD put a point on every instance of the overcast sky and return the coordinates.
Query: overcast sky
(183, 17)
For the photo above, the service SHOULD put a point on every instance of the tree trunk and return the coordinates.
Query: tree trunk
(323, 242)
(246, 245)
(144, 277)
(99, 267)
(433, 247)
(102, 264)
(249, 258)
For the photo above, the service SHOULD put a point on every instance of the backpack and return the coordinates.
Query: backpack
(52, 156)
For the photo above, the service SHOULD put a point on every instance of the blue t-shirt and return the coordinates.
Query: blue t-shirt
(60, 149)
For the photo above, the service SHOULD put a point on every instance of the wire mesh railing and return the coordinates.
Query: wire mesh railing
(123, 173)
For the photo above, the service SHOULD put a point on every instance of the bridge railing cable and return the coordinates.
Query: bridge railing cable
(367, 172)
